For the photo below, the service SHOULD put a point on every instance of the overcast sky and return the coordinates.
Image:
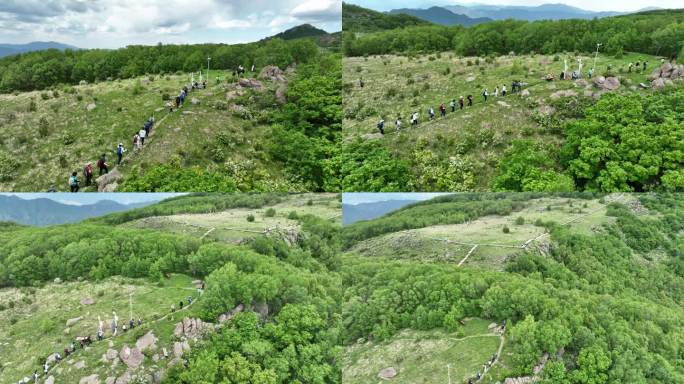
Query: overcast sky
(354, 198)
(91, 198)
(117, 23)
(592, 5)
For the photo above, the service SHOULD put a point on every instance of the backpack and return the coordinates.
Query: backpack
(119, 150)
(73, 181)
(100, 163)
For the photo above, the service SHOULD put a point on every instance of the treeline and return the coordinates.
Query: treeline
(449, 209)
(44, 69)
(359, 19)
(617, 318)
(656, 32)
(194, 203)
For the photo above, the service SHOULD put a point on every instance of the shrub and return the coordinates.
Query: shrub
(270, 212)
(293, 215)
(250, 218)
(43, 127)
(520, 220)
(32, 106)
(45, 96)
(506, 229)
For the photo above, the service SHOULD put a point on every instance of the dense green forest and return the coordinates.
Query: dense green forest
(49, 68)
(603, 298)
(655, 32)
(297, 342)
(359, 19)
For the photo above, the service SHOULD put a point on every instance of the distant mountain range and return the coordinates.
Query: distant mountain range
(468, 15)
(298, 32)
(42, 212)
(352, 213)
(359, 19)
(13, 49)
(442, 16)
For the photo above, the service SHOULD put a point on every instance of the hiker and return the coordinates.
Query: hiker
(119, 153)
(58, 357)
(88, 173)
(35, 376)
(252, 68)
(136, 142)
(361, 83)
(591, 72)
(496, 91)
(189, 300)
(204, 84)
(414, 119)
(562, 75)
(470, 100)
(442, 110)
(460, 102)
(452, 104)
(73, 182)
(629, 67)
(431, 111)
(102, 165)
(503, 90)
(397, 125)
(643, 67)
(100, 335)
(381, 126)
(139, 321)
(485, 93)
(46, 367)
(124, 327)
(180, 305)
(142, 133)
(131, 323)
(240, 70)
(178, 102)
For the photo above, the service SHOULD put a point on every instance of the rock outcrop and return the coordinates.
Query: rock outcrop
(132, 357)
(229, 315)
(606, 83)
(250, 83)
(73, 321)
(147, 341)
(665, 74)
(92, 379)
(272, 73)
(107, 180)
(191, 328)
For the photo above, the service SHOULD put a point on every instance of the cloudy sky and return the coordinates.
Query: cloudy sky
(117, 23)
(92, 198)
(592, 5)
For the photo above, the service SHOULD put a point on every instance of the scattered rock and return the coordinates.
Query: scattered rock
(194, 101)
(611, 83)
(159, 109)
(250, 83)
(189, 113)
(112, 177)
(73, 321)
(125, 378)
(470, 78)
(50, 380)
(111, 354)
(281, 94)
(387, 373)
(234, 94)
(57, 280)
(525, 93)
(559, 94)
(92, 379)
(80, 365)
(110, 380)
(658, 83)
(598, 80)
(588, 93)
(582, 83)
(503, 104)
(147, 341)
(229, 315)
(132, 357)
(272, 73)
(91, 106)
(547, 110)
(87, 301)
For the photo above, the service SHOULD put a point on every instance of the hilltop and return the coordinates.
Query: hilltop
(15, 49)
(359, 19)
(442, 16)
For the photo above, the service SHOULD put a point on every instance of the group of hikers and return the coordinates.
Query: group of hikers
(487, 365)
(84, 341)
(516, 86)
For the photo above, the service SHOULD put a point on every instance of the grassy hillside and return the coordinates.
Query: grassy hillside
(359, 19)
(275, 270)
(471, 149)
(576, 277)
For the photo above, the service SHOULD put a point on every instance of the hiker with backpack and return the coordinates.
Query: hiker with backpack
(119, 153)
(485, 93)
(414, 119)
(431, 111)
(496, 91)
(88, 173)
(142, 133)
(442, 110)
(470, 100)
(136, 142)
(381, 126)
(73, 182)
(102, 165)
(503, 90)
(397, 125)
(460, 102)
(452, 104)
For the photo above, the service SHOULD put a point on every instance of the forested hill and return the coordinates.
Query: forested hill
(44, 69)
(659, 32)
(359, 19)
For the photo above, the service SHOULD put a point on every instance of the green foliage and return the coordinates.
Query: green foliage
(250, 218)
(528, 167)
(43, 127)
(365, 166)
(270, 212)
(505, 229)
(628, 143)
(358, 19)
(519, 220)
(656, 32)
